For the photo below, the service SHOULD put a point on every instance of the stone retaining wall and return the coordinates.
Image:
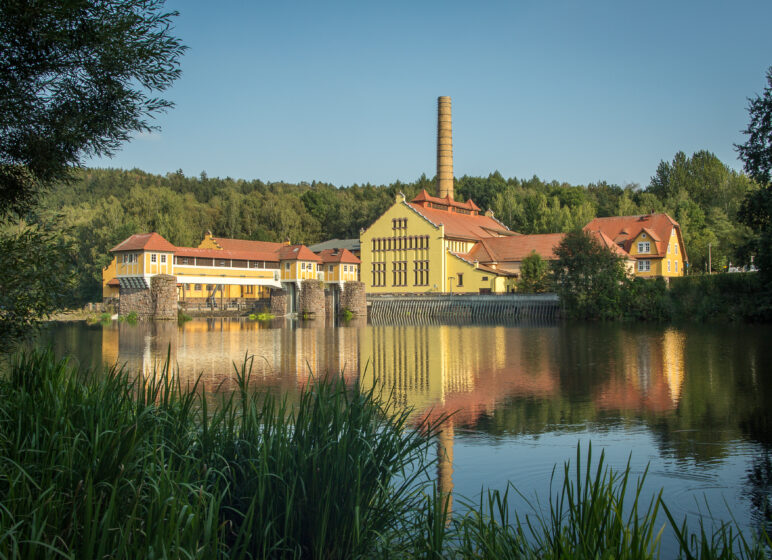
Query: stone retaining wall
(312, 298)
(353, 298)
(163, 293)
(279, 302)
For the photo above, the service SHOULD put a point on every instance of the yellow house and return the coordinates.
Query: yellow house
(421, 246)
(653, 241)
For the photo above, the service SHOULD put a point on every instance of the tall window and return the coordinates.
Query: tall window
(399, 270)
(379, 274)
(421, 273)
(153, 258)
(460, 279)
(163, 259)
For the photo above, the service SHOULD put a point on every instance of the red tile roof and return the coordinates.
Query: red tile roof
(624, 229)
(338, 256)
(425, 197)
(144, 241)
(515, 248)
(605, 241)
(225, 254)
(297, 253)
(462, 226)
(247, 245)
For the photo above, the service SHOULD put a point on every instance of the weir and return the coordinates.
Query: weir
(463, 307)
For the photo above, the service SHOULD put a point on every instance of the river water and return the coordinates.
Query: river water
(692, 403)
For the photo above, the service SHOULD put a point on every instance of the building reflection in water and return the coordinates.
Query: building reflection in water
(465, 370)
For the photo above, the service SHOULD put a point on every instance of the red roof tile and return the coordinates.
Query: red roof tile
(624, 229)
(144, 241)
(516, 248)
(462, 226)
(247, 245)
(338, 256)
(608, 243)
(297, 253)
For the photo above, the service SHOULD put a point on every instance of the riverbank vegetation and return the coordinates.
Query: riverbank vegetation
(100, 464)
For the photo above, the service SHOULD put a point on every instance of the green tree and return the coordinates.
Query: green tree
(588, 278)
(77, 79)
(36, 266)
(534, 275)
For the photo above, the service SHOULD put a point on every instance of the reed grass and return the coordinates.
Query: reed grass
(102, 464)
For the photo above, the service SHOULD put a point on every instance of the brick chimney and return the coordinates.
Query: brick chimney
(444, 148)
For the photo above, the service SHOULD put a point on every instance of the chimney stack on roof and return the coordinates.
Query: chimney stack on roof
(444, 148)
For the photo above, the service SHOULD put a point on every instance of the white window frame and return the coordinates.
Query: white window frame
(163, 259)
(676, 266)
(644, 247)
(329, 268)
(644, 265)
(287, 266)
(153, 258)
(668, 265)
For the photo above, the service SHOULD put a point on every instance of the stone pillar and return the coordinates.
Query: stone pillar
(163, 293)
(311, 298)
(444, 148)
(329, 301)
(135, 300)
(353, 298)
(279, 302)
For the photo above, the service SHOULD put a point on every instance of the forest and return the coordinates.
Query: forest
(98, 208)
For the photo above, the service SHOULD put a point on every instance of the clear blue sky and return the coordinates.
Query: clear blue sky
(345, 92)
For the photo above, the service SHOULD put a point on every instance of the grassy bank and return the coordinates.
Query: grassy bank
(97, 464)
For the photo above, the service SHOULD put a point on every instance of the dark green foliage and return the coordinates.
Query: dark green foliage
(99, 465)
(588, 278)
(534, 275)
(37, 267)
(77, 78)
(756, 152)
(646, 299)
(720, 297)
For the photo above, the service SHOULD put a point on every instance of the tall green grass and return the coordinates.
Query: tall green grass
(100, 464)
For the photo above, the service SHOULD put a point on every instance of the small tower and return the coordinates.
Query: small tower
(444, 148)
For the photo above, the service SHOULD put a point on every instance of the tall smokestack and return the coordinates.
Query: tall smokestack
(444, 148)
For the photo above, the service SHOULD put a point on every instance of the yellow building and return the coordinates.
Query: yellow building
(421, 246)
(222, 272)
(653, 241)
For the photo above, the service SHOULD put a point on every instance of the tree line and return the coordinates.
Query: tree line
(98, 208)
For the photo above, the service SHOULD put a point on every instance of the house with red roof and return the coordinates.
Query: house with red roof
(652, 243)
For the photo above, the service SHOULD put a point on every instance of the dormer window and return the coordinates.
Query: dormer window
(643, 235)
(644, 247)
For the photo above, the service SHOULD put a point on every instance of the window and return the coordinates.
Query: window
(287, 266)
(421, 273)
(399, 272)
(210, 287)
(644, 266)
(187, 287)
(320, 268)
(676, 264)
(163, 259)
(329, 269)
(460, 279)
(676, 248)
(643, 236)
(153, 258)
(379, 274)
(484, 278)
(644, 247)
(198, 287)
(668, 266)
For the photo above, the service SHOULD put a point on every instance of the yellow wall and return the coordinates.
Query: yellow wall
(136, 268)
(339, 274)
(416, 226)
(472, 277)
(297, 271)
(108, 273)
(158, 267)
(659, 265)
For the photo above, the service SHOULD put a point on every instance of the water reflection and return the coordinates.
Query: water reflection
(692, 401)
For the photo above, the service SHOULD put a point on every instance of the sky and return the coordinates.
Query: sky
(346, 92)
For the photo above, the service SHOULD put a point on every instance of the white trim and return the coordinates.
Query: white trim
(229, 281)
